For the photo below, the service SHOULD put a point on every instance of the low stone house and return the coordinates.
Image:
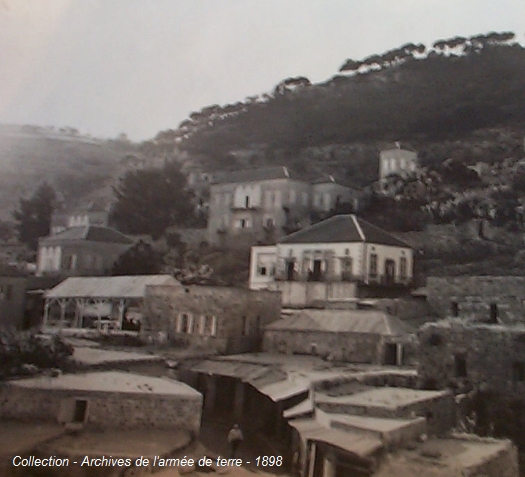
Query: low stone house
(358, 336)
(219, 319)
(103, 400)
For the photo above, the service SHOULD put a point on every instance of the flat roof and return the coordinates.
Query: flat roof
(92, 356)
(356, 443)
(108, 381)
(443, 457)
(375, 424)
(385, 397)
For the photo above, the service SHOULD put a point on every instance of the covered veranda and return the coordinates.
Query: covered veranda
(102, 303)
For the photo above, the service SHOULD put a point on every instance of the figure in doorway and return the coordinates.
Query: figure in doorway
(235, 438)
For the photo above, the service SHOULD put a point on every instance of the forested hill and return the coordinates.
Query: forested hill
(80, 168)
(412, 93)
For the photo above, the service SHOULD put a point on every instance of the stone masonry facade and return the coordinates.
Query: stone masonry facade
(465, 356)
(496, 299)
(219, 319)
(105, 410)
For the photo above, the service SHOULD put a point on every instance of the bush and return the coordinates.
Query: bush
(19, 349)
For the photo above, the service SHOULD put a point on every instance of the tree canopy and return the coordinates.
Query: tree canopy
(150, 200)
(33, 216)
(140, 259)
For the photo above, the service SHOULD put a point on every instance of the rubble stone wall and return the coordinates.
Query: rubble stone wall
(353, 347)
(474, 296)
(493, 355)
(105, 410)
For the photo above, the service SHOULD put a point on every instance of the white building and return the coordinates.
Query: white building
(397, 161)
(332, 259)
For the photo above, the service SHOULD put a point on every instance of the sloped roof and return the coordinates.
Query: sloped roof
(341, 321)
(131, 286)
(93, 233)
(344, 229)
(251, 175)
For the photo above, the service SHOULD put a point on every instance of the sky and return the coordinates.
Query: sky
(107, 67)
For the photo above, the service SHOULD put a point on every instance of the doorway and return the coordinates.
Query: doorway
(317, 273)
(80, 410)
(390, 271)
(290, 270)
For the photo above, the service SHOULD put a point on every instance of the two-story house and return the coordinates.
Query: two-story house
(397, 161)
(263, 205)
(257, 205)
(341, 257)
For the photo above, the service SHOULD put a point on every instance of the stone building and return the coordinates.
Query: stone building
(337, 419)
(103, 400)
(262, 205)
(341, 257)
(485, 298)
(467, 355)
(80, 251)
(218, 319)
(397, 161)
(358, 336)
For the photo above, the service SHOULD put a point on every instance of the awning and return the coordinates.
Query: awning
(355, 443)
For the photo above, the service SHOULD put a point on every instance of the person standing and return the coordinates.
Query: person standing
(235, 437)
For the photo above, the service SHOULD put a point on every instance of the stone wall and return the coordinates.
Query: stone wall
(105, 410)
(439, 411)
(492, 355)
(474, 296)
(352, 347)
(240, 315)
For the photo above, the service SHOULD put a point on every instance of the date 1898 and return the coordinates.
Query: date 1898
(269, 461)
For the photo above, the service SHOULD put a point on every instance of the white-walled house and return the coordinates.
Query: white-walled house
(332, 259)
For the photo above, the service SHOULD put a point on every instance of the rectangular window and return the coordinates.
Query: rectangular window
(305, 198)
(373, 264)
(460, 365)
(518, 372)
(182, 325)
(403, 267)
(292, 196)
(245, 326)
(8, 294)
(243, 224)
(262, 271)
(494, 313)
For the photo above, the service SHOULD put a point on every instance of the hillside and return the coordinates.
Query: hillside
(438, 100)
(79, 168)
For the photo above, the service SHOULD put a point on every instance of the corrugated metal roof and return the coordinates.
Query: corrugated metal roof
(344, 229)
(269, 381)
(355, 443)
(108, 287)
(355, 321)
